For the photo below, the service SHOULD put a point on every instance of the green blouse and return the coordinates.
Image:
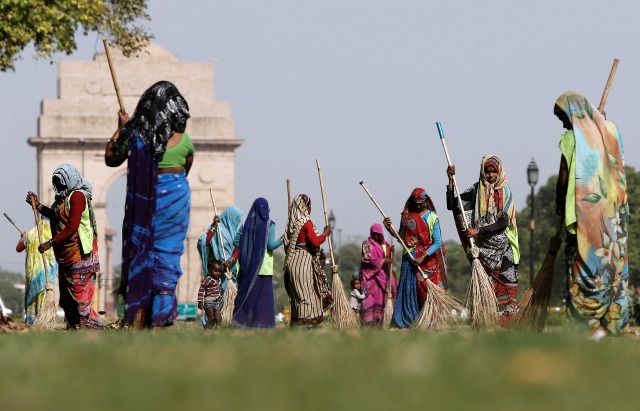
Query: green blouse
(176, 156)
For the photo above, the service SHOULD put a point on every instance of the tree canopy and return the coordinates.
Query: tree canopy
(51, 26)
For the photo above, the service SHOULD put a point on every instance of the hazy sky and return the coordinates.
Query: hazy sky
(360, 84)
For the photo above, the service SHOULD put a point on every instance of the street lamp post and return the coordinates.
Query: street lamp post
(532, 178)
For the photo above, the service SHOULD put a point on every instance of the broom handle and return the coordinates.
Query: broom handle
(605, 93)
(14, 224)
(288, 198)
(113, 74)
(224, 254)
(326, 216)
(404, 246)
(455, 182)
(44, 258)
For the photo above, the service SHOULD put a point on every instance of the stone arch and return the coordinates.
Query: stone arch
(74, 128)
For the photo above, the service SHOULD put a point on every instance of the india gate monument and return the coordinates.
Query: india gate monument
(74, 128)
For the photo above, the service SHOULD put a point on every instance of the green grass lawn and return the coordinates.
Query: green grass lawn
(184, 368)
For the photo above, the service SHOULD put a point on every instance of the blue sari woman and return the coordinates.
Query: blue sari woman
(157, 205)
(209, 246)
(254, 304)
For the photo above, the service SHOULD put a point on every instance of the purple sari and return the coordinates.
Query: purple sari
(374, 278)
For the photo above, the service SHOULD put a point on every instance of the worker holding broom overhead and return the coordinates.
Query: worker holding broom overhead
(490, 209)
(420, 231)
(591, 195)
(159, 155)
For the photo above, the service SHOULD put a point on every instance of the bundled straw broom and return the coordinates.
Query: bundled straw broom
(440, 306)
(484, 305)
(46, 318)
(232, 290)
(342, 315)
(387, 314)
(533, 306)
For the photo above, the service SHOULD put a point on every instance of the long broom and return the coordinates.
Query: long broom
(484, 305)
(439, 308)
(46, 318)
(232, 290)
(14, 224)
(387, 315)
(533, 307)
(105, 42)
(342, 315)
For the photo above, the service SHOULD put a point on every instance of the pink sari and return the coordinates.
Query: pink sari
(374, 278)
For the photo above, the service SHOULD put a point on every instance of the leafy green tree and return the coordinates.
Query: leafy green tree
(458, 268)
(51, 26)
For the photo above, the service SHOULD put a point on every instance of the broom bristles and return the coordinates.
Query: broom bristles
(533, 308)
(342, 315)
(441, 309)
(46, 319)
(482, 298)
(387, 315)
(229, 302)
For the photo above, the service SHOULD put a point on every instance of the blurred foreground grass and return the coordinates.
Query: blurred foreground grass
(184, 368)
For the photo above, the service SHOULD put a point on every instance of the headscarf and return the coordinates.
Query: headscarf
(485, 199)
(298, 216)
(376, 229)
(230, 224)
(73, 181)
(253, 246)
(161, 111)
(418, 195)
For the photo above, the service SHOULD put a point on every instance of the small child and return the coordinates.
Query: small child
(357, 295)
(209, 298)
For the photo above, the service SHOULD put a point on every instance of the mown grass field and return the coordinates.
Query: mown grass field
(184, 368)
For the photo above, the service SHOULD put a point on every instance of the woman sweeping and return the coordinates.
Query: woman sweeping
(159, 155)
(254, 304)
(75, 245)
(230, 225)
(35, 282)
(375, 273)
(591, 195)
(492, 216)
(302, 272)
(420, 230)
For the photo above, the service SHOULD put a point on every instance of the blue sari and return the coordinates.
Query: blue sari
(155, 227)
(254, 304)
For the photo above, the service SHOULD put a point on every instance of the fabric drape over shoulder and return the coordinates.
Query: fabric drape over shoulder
(597, 212)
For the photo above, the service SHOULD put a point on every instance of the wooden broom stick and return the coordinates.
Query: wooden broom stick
(288, 197)
(14, 224)
(342, 314)
(113, 75)
(605, 93)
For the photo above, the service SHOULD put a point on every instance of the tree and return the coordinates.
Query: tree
(51, 26)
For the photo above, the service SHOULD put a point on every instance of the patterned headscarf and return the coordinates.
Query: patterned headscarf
(298, 216)
(70, 177)
(418, 195)
(160, 112)
(485, 200)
